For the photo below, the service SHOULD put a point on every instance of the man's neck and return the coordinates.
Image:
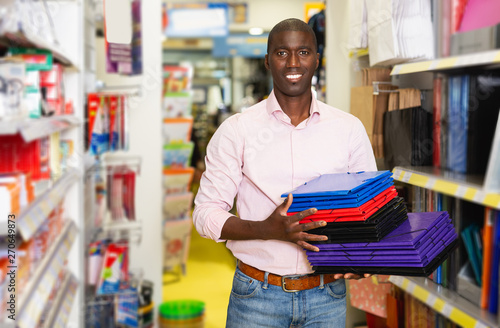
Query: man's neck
(296, 108)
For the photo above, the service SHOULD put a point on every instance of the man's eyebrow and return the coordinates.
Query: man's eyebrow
(287, 47)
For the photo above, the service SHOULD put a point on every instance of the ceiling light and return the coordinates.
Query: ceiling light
(256, 31)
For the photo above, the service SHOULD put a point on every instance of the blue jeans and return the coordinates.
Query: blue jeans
(258, 304)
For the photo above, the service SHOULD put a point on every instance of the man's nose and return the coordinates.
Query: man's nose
(293, 60)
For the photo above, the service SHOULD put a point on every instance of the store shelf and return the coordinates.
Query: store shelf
(440, 64)
(131, 230)
(358, 53)
(446, 302)
(60, 311)
(34, 297)
(32, 129)
(34, 41)
(461, 186)
(31, 217)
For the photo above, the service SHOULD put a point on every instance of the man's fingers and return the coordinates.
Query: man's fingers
(305, 213)
(286, 204)
(311, 237)
(307, 246)
(312, 225)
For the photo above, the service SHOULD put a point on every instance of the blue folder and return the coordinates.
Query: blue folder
(334, 204)
(340, 184)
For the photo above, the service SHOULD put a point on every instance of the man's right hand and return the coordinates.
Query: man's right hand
(287, 228)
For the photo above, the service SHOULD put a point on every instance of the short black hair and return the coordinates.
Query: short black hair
(291, 24)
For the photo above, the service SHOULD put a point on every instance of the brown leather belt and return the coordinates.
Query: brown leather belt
(291, 283)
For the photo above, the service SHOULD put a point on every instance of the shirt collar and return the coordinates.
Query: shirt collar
(273, 106)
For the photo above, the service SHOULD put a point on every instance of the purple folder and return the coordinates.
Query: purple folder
(409, 235)
(353, 255)
(388, 260)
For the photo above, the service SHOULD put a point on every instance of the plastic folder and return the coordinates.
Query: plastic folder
(366, 234)
(394, 206)
(339, 184)
(374, 189)
(360, 213)
(332, 202)
(423, 271)
(409, 235)
(417, 247)
(386, 259)
(422, 249)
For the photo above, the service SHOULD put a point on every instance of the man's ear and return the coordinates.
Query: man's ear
(317, 60)
(266, 61)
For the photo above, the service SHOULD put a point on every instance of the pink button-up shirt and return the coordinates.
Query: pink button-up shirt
(257, 156)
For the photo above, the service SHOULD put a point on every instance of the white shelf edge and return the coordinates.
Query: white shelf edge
(31, 217)
(446, 302)
(453, 62)
(469, 191)
(32, 129)
(40, 285)
(58, 315)
(33, 41)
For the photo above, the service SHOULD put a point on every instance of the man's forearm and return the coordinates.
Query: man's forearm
(237, 229)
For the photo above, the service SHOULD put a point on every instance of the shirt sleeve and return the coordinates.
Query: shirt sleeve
(220, 181)
(361, 155)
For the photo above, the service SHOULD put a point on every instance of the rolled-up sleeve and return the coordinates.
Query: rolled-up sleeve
(220, 181)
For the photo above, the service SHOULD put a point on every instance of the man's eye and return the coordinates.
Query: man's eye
(281, 53)
(304, 52)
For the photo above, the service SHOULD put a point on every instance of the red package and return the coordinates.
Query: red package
(27, 157)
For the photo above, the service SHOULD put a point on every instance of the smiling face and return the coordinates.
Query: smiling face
(292, 59)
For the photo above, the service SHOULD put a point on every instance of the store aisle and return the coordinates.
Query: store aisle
(208, 278)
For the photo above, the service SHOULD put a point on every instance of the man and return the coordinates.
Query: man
(270, 149)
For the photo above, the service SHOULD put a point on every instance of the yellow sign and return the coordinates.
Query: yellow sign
(312, 8)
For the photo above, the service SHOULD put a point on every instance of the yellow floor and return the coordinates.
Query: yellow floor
(209, 275)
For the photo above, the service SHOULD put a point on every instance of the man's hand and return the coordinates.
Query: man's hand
(282, 227)
(351, 276)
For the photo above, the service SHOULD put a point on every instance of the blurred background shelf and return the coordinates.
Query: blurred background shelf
(32, 129)
(33, 41)
(59, 314)
(33, 299)
(36, 213)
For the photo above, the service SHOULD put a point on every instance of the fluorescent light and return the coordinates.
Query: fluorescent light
(256, 31)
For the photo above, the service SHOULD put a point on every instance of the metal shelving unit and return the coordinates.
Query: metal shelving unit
(446, 302)
(447, 63)
(33, 216)
(59, 313)
(33, 299)
(32, 129)
(59, 29)
(34, 41)
(461, 186)
(472, 188)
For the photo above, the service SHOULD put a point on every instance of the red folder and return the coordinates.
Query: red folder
(354, 213)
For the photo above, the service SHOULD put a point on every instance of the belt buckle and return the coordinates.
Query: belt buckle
(283, 284)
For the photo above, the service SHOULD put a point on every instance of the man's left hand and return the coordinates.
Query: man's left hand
(352, 276)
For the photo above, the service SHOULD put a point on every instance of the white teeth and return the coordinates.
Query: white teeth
(295, 76)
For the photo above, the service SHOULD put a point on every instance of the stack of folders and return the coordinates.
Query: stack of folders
(369, 229)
